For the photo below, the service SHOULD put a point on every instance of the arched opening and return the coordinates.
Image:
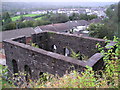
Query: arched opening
(15, 67)
(54, 48)
(66, 52)
(27, 72)
(41, 75)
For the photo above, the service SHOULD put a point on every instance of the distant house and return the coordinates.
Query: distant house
(77, 25)
(65, 27)
(17, 13)
(59, 27)
(97, 20)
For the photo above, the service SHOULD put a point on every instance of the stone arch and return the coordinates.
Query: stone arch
(66, 52)
(54, 48)
(41, 74)
(27, 72)
(15, 66)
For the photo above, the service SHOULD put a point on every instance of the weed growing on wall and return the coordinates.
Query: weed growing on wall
(78, 55)
(106, 78)
(34, 45)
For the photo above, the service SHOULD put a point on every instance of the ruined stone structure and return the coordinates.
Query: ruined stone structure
(53, 56)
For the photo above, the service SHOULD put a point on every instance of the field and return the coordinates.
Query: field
(38, 18)
(27, 15)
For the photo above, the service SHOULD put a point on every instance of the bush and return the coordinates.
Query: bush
(9, 26)
(107, 78)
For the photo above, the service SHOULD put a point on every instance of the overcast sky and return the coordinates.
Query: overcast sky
(60, 0)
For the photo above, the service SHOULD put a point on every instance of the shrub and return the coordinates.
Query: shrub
(107, 78)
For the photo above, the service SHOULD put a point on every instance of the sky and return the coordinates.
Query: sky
(60, 0)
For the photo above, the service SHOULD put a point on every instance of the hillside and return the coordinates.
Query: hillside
(6, 6)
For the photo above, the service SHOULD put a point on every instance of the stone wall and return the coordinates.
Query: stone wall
(84, 45)
(43, 60)
(38, 60)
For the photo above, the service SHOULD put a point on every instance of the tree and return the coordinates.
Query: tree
(90, 17)
(41, 22)
(9, 26)
(74, 16)
(6, 18)
(118, 9)
(83, 17)
(100, 31)
(21, 18)
(21, 25)
(113, 13)
(87, 17)
(58, 18)
(29, 23)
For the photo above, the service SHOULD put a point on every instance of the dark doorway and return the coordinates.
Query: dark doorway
(15, 66)
(27, 72)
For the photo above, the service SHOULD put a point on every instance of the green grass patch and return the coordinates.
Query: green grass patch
(15, 18)
(31, 15)
(39, 18)
(27, 15)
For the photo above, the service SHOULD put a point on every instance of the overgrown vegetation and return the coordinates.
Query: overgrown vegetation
(110, 25)
(78, 55)
(34, 20)
(34, 45)
(106, 78)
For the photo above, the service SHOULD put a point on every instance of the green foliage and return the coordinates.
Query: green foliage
(112, 61)
(9, 26)
(87, 17)
(110, 26)
(58, 18)
(39, 18)
(75, 55)
(3, 76)
(75, 16)
(100, 31)
(34, 45)
(29, 23)
(6, 17)
(106, 78)
(78, 55)
(21, 25)
(41, 22)
(19, 17)
(15, 18)
(113, 22)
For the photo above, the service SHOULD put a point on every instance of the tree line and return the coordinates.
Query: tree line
(110, 26)
(49, 18)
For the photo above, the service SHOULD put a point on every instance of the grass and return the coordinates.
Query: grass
(27, 15)
(15, 18)
(39, 18)
(31, 15)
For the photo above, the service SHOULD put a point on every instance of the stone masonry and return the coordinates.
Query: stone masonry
(23, 57)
